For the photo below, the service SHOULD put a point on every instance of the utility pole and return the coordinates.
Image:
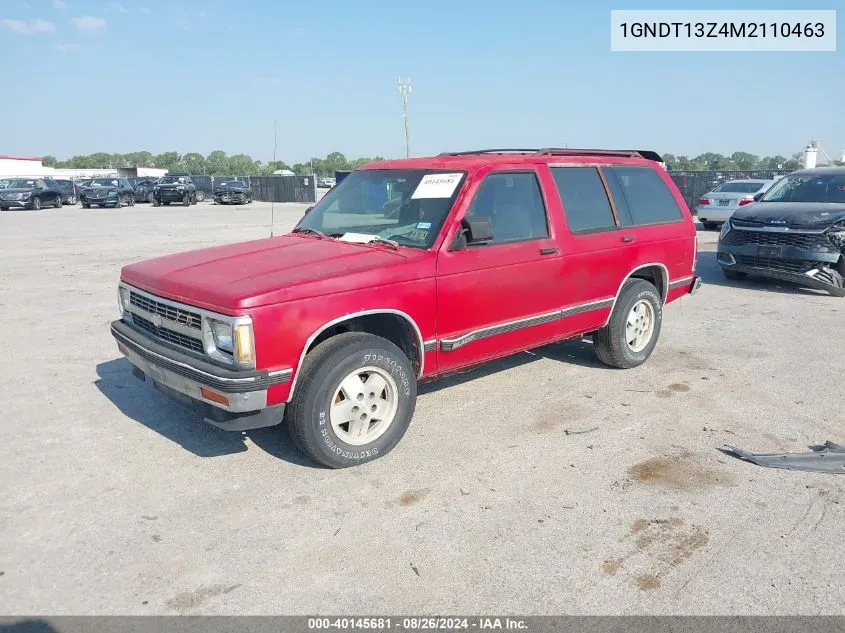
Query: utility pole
(405, 90)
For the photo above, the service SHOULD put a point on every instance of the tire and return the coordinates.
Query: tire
(343, 357)
(35, 204)
(612, 341)
(733, 275)
(200, 196)
(85, 205)
(165, 203)
(151, 199)
(131, 201)
(58, 202)
(118, 203)
(710, 226)
(186, 201)
(71, 200)
(155, 202)
(4, 208)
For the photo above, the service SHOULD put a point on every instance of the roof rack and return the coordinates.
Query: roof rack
(490, 151)
(567, 151)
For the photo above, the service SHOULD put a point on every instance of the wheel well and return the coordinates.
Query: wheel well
(656, 276)
(392, 327)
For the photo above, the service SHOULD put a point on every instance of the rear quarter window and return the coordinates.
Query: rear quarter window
(585, 203)
(646, 195)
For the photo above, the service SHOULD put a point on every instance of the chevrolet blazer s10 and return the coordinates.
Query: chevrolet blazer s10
(408, 270)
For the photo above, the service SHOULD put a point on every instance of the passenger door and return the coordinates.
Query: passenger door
(501, 296)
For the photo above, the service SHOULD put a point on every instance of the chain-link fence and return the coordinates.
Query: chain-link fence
(694, 184)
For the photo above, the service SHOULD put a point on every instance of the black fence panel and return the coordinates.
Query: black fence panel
(265, 188)
(284, 188)
(694, 184)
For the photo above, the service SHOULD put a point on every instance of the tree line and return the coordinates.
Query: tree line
(219, 163)
(738, 161)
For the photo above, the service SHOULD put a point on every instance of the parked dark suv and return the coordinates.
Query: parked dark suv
(174, 188)
(69, 190)
(793, 232)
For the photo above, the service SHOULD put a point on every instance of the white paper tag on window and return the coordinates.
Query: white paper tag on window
(357, 238)
(437, 186)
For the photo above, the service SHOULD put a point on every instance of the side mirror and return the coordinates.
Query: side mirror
(757, 196)
(477, 230)
(308, 210)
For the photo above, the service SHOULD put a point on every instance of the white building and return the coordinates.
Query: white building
(12, 166)
(17, 166)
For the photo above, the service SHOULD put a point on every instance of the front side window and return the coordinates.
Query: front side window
(649, 200)
(808, 188)
(513, 204)
(585, 203)
(408, 206)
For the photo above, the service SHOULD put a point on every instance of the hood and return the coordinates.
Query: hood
(172, 185)
(805, 215)
(251, 274)
(105, 188)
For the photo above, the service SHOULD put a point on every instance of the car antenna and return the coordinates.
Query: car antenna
(272, 189)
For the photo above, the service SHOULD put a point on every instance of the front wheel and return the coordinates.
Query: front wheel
(186, 201)
(199, 197)
(35, 205)
(71, 200)
(155, 202)
(118, 203)
(634, 326)
(354, 401)
(58, 203)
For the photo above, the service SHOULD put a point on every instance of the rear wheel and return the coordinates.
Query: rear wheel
(733, 275)
(71, 200)
(200, 196)
(354, 402)
(710, 226)
(634, 326)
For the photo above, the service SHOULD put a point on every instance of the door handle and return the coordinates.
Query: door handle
(549, 251)
(628, 238)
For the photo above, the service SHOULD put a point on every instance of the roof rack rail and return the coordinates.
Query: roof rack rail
(490, 151)
(566, 151)
(629, 153)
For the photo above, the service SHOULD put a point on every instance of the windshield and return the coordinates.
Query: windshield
(103, 182)
(739, 187)
(808, 188)
(172, 180)
(22, 184)
(407, 206)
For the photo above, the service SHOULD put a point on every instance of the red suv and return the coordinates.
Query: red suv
(408, 270)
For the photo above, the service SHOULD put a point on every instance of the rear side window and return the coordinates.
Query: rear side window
(649, 200)
(584, 199)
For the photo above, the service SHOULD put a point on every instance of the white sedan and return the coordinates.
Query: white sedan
(718, 205)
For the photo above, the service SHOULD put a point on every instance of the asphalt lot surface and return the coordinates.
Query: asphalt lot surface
(116, 501)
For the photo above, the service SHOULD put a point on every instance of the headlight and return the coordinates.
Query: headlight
(222, 334)
(24, 196)
(837, 236)
(230, 340)
(726, 228)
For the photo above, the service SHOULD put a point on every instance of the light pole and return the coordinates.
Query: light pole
(405, 90)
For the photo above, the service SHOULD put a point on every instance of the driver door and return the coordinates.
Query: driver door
(502, 296)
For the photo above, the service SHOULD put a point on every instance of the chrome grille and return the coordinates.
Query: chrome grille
(188, 342)
(166, 311)
(96, 193)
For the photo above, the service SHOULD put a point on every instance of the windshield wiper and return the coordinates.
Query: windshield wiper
(382, 240)
(306, 231)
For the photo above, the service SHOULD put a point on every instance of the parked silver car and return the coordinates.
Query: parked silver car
(718, 205)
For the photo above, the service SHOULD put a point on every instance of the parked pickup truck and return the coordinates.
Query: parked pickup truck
(408, 270)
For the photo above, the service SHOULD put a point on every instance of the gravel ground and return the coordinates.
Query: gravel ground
(116, 501)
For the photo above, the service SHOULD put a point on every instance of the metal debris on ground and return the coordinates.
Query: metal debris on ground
(824, 458)
(571, 432)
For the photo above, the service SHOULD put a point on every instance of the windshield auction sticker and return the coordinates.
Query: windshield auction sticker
(729, 30)
(437, 186)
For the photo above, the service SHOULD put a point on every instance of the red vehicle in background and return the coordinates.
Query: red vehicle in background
(407, 270)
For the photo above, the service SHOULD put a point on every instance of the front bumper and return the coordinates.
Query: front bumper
(171, 195)
(240, 396)
(102, 202)
(808, 267)
(230, 197)
(15, 204)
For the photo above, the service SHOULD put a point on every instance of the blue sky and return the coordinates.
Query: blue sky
(201, 75)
